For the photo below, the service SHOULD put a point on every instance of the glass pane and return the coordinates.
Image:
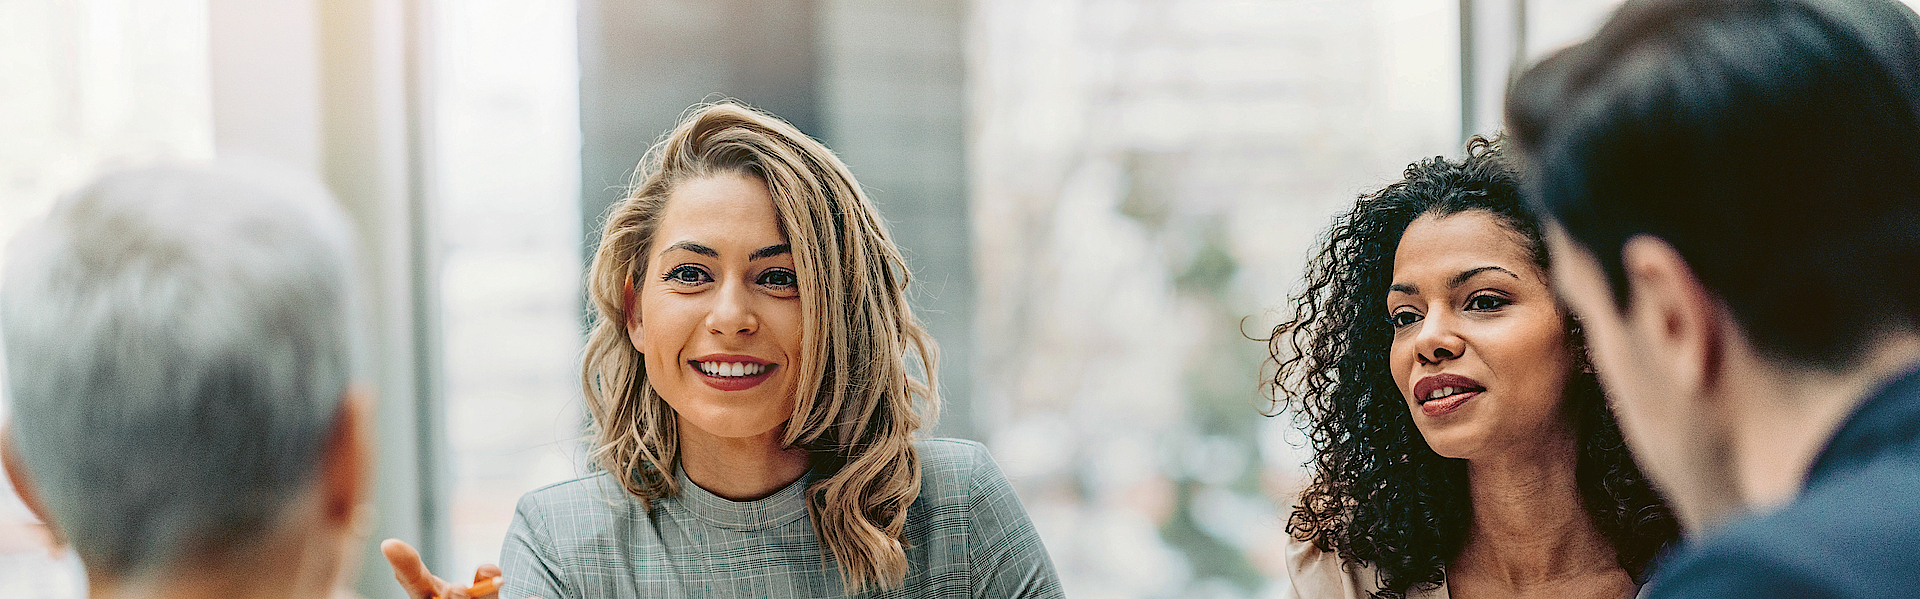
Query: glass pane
(507, 178)
(1147, 173)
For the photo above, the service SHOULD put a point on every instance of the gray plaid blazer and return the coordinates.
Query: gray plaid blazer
(966, 536)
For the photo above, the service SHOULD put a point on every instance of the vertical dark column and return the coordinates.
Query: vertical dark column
(643, 62)
(1469, 79)
(893, 100)
(1492, 45)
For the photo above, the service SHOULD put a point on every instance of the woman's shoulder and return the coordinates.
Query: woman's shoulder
(968, 513)
(955, 469)
(592, 497)
(951, 454)
(597, 486)
(1313, 572)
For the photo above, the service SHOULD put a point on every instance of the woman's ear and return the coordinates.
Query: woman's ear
(635, 333)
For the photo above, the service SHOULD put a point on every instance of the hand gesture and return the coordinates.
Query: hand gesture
(421, 584)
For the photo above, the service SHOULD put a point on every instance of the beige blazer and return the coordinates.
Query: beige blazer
(1315, 574)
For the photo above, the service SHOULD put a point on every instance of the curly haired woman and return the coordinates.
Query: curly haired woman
(1463, 446)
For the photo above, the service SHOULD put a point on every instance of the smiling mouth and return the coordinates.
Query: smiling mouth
(732, 370)
(1445, 392)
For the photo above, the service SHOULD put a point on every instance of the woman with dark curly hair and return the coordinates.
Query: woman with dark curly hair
(1463, 446)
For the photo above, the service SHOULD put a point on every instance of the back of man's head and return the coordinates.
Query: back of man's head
(178, 345)
(1775, 144)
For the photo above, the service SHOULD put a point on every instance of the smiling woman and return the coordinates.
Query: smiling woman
(1462, 446)
(754, 410)
(716, 320)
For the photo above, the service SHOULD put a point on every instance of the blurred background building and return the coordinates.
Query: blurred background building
(1101, 201)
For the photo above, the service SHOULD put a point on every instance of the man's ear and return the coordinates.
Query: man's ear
(346, 467)
(16, 468)
(636, 334)
(1676, 314)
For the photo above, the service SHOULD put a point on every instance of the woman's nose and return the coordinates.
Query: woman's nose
(732, 312)
(1438, 341)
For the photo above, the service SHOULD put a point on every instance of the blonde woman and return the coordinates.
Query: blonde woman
(750, 380)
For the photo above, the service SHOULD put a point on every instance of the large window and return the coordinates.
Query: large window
(1148, 177)
(1142, 181)
(507, 220)
(88, 85)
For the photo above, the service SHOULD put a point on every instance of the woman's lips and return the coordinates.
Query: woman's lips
(732, 383)
(1446, 405)
(1441, 394)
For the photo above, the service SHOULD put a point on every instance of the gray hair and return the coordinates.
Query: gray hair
(178, 342)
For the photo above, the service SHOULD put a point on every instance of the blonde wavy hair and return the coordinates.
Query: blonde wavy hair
(859, 405)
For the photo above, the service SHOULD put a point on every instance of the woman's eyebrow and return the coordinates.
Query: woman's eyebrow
(691, 247)
(1471, 272)
(770, 251)
(1406, 288)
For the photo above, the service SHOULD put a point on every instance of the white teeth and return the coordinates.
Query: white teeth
(732, 369)
(1443, 392)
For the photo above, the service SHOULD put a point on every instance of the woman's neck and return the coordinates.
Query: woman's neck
(740, 468)
(1531, 535)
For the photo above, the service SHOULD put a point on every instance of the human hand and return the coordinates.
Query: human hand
(414, 578)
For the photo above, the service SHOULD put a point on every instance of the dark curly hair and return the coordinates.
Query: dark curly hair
(1378, 493)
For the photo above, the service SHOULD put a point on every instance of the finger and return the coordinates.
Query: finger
(485, 588)
(409, 571)
(486, 582)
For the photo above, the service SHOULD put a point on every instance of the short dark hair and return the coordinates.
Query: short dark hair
(1773, 143)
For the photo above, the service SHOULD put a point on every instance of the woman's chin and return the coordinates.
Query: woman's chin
(1455, 440)
(735, 422)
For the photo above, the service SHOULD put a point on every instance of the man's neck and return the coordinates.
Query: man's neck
(300, 559)
(265, 581)
(1782, 417)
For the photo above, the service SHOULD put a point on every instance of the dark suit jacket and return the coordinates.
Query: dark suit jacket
(1854, 531)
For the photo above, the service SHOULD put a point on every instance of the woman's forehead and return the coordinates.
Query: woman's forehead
(725, 213)
(1446, 246)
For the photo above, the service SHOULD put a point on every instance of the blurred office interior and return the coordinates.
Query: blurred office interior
(1100, 200)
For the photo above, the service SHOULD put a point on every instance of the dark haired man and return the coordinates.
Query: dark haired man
(1733, 196)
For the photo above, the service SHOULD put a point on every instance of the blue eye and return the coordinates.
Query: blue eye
(779, 277)
(1403, 318)
(688, 274)
(1486, 302)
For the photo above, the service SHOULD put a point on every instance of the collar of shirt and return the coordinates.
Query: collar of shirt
(779, 509)
(1888, 421)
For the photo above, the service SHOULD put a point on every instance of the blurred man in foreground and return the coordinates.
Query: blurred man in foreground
(179, 357)
(1733, 188)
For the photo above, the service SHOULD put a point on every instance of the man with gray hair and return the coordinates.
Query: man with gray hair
(179, 350)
